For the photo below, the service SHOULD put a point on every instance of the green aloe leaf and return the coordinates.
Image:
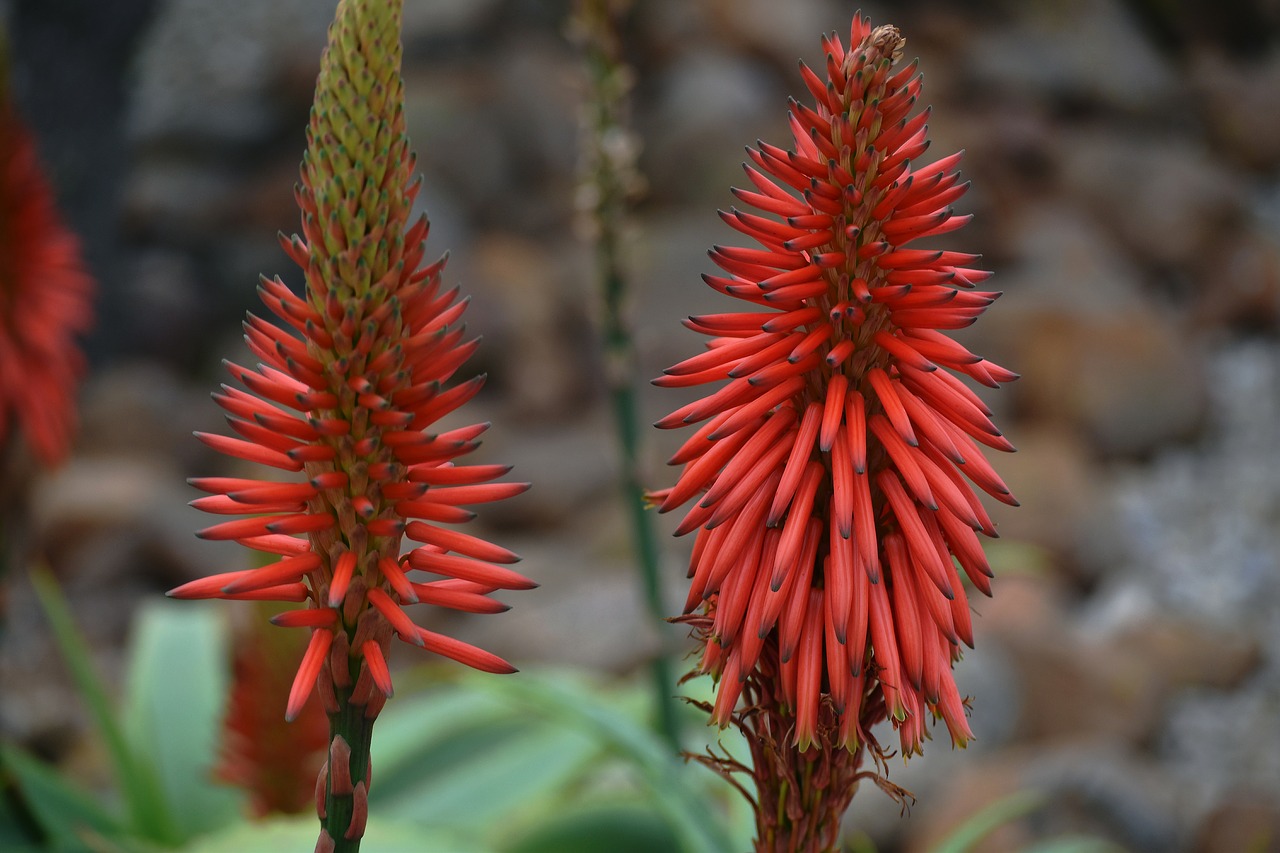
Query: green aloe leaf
(1076, 844)
(618, 829)
(966, 837)
(684, 805)
(149, 814)
(299, 833)
(414, 734)
(177, 689)
(14, 834)
(504, 754)
(69, 817)
(460, 758)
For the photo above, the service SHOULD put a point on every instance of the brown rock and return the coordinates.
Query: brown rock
(1165, 198)
(533, 307)
(1238, 101)
(139, 409)
(1245, 291)
(1184, 653)
(1056, 480)
(1244, 822)
(1129, 381)
(1069, 684)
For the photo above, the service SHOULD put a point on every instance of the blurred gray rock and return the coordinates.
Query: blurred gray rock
(573, 468)
(785, 32)
(588, 610)
(1090, 52)
(458, 146)
(1165, 198)
(708, 105)
(1219, 745)
(1063, 261)
(445, 19)
(1096, 787)
(207, 68)
(1238, 99)
(1199, 526)
(180, 199)
(142, 411)
(165, 283)
(535, 312)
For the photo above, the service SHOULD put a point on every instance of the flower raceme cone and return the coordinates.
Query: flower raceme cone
(832, 476)
(354, 378)
(45, 301)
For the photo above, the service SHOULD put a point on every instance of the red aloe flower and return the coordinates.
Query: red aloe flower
(834, 470)
(347, 395)
(45, 296)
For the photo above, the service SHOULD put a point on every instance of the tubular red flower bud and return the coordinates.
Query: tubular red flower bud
(377, 664)
(359, 812)
(304, 681)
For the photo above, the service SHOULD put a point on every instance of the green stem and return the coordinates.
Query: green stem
(623, 395)
(351, 724)
(612, 181)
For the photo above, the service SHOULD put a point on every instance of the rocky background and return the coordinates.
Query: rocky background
(1125, 159)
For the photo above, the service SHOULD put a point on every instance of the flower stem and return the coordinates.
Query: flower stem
(612, 182)
(619, 346)
(351, 727)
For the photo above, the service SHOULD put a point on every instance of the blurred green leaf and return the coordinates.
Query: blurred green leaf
(859, 842)
(490, 773)
(989, 819)
(415, 729)
(505, 755)
(177, 689)
(578, 706)
(739, 816)
(1014, 557)
(67, 815)
(618, 829)
(1076, 844)
(149, 815)
(299, 833)
(464, 759)
(13, 834)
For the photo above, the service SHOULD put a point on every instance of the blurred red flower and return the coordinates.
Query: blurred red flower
(45, 302)
(273, 761)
